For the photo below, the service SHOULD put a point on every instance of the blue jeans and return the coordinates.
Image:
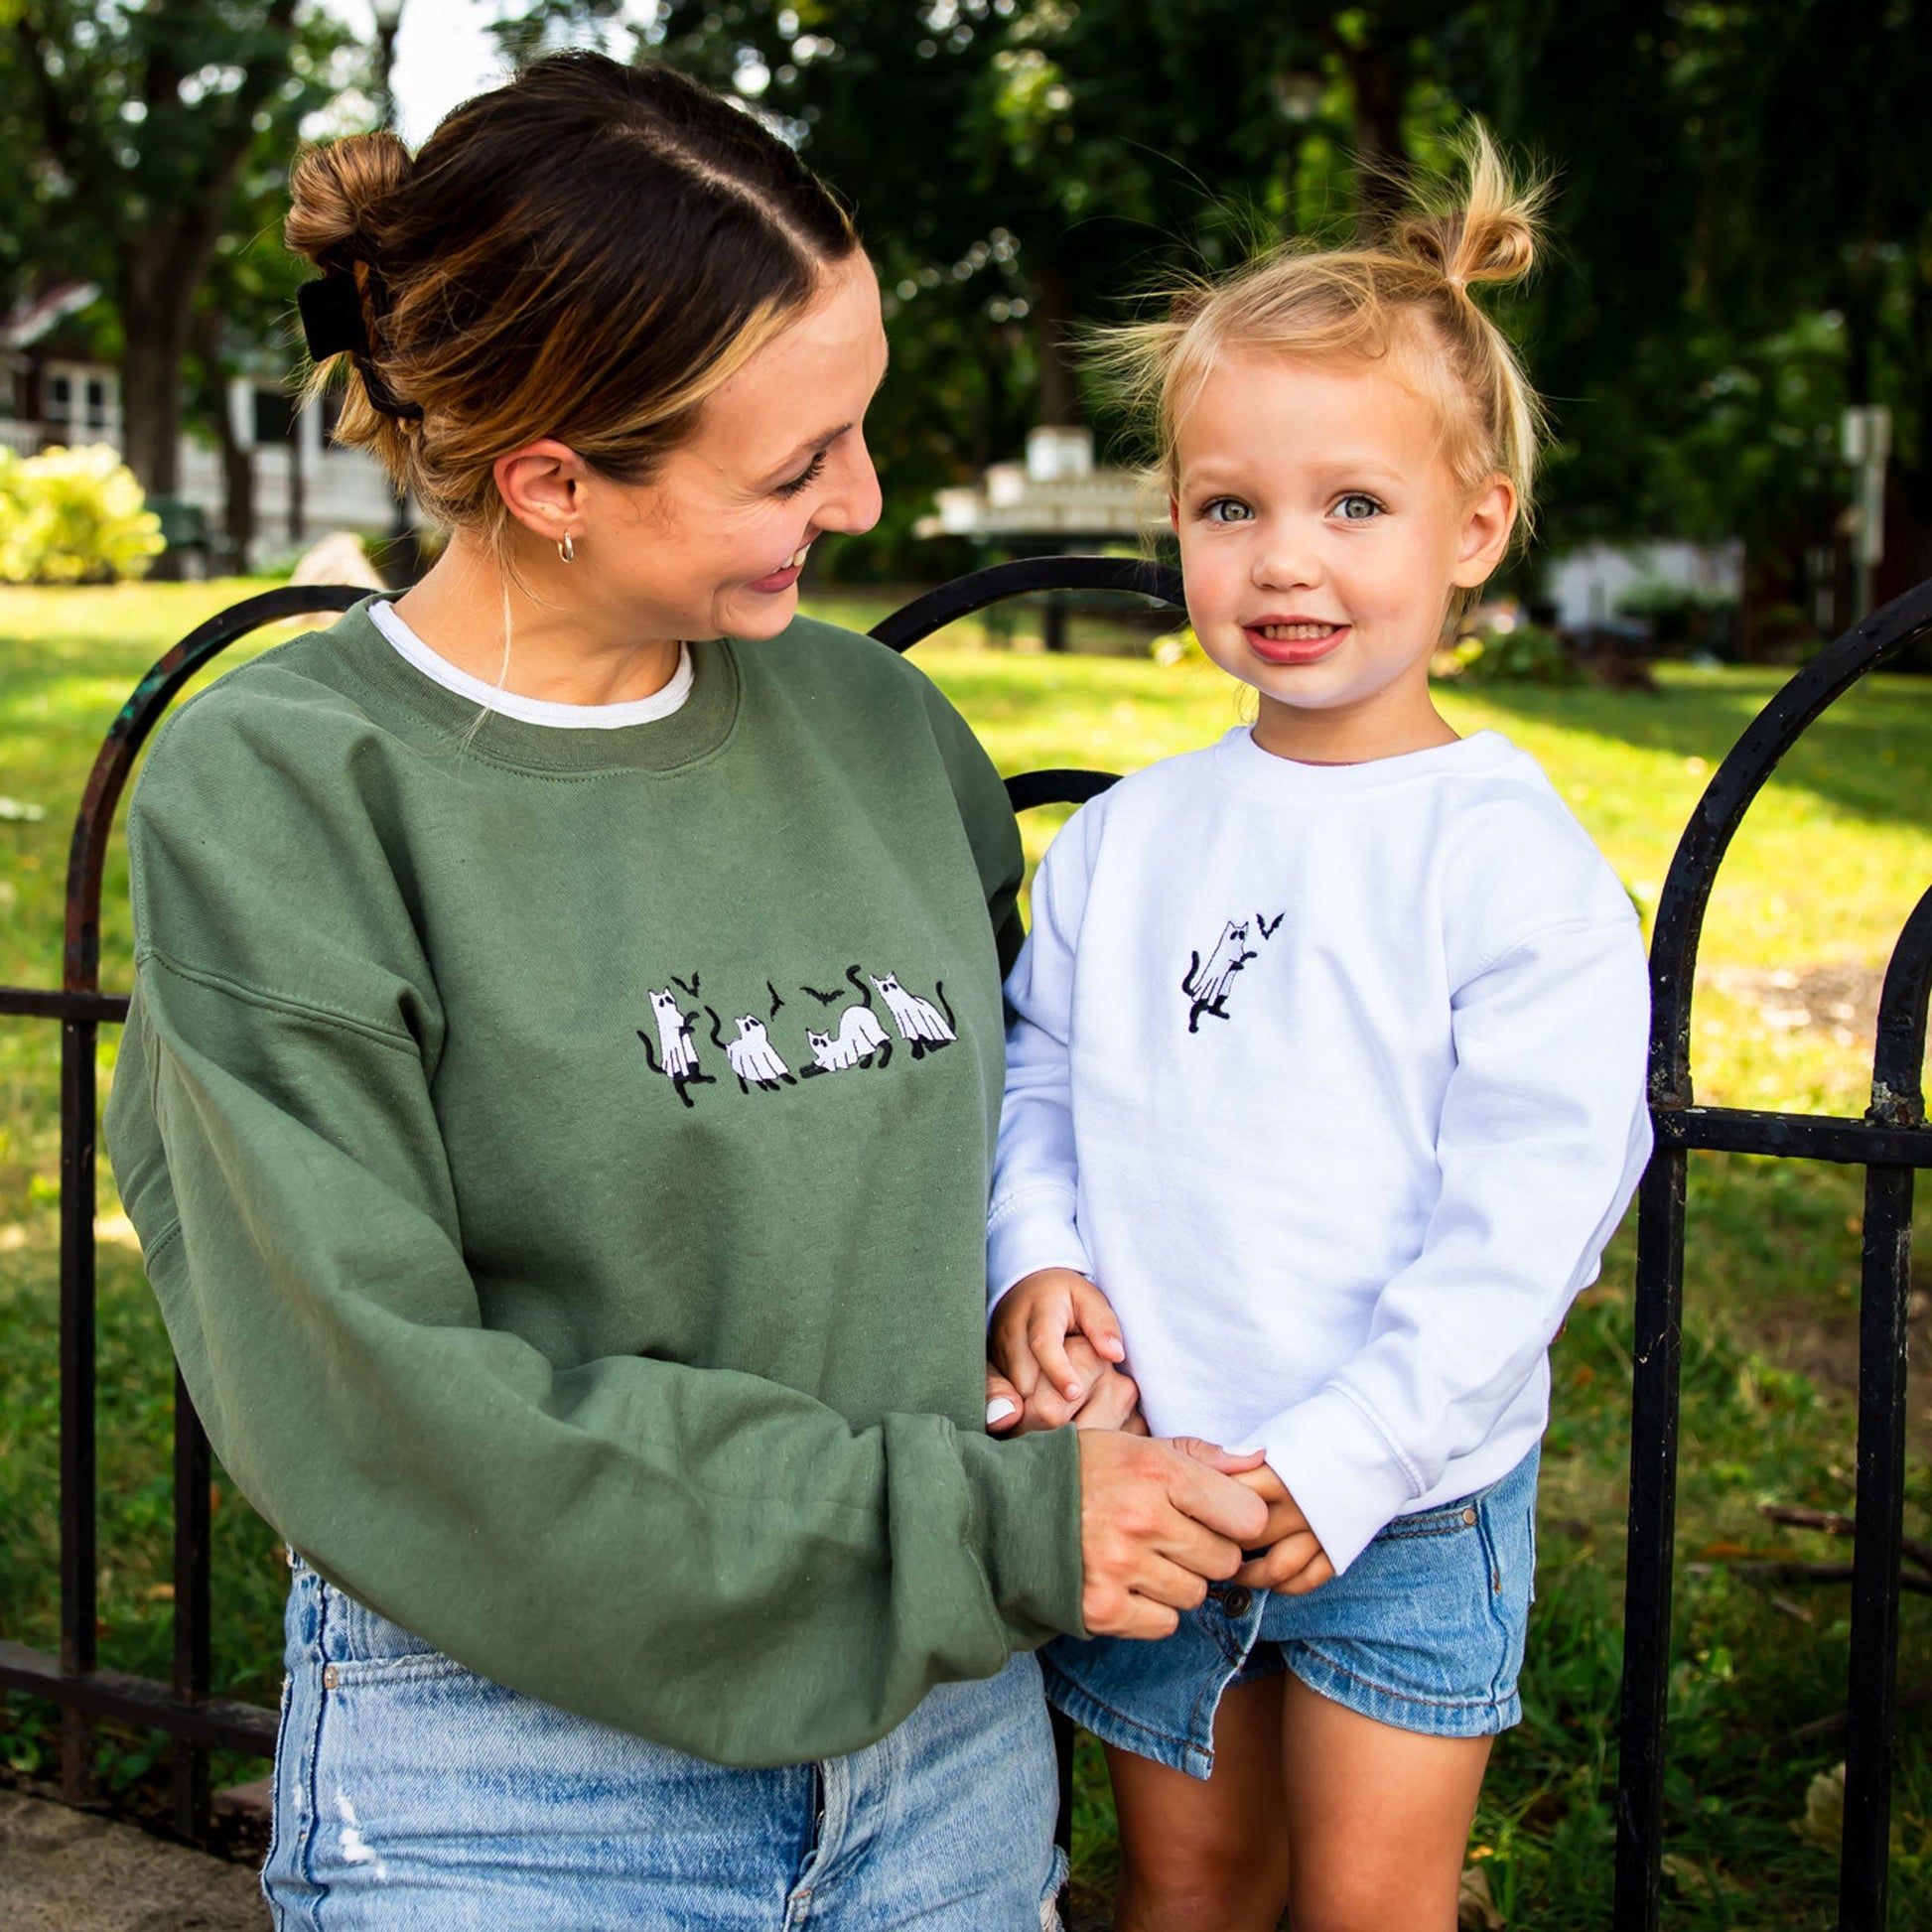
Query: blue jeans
(413, 1796)
(1424, 1631)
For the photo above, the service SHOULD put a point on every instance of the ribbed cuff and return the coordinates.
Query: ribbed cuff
(1027, 1493)
(1342, 1470)
(1034, 1229)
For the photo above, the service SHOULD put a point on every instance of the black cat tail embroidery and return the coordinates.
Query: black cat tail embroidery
(1207, 983)
(918, 1021)
(677, 1056)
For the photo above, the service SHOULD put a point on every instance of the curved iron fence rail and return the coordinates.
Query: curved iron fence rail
(184, 1709)
(1891, 1142)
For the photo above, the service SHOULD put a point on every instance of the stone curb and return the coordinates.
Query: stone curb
(67, 1871)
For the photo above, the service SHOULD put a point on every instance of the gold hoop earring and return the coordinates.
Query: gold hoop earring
(567, 550)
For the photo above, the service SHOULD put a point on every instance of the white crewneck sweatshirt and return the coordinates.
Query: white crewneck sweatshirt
(1332, 1077)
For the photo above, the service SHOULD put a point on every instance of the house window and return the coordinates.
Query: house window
(79, 403)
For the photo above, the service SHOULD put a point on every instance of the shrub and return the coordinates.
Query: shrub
(73, 516)
(1683, 616)
(1525, 654)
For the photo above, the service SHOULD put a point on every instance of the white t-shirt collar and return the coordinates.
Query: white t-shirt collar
(532, 711)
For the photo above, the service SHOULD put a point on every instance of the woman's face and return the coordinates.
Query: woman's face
(711, 545)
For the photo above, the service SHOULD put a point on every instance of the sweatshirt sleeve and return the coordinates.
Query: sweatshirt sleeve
(987, 812)
(695, 1554)
(1034, 1219)
(1543, 1138)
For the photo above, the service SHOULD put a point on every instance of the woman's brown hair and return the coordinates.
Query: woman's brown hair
(585, 253)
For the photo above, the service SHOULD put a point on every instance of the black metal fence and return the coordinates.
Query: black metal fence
(1891, 1142)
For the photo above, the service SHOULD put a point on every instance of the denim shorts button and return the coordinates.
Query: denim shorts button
(329, 1678)
(1238, 1601)
(1469, 1517)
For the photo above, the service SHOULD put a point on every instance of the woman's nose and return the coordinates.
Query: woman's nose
(851, 502)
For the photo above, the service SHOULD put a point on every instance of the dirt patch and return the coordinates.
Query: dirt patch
(68, 1870)
(1838, 1000)
(1821, 1344)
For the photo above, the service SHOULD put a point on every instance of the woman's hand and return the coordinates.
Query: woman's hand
(1294, 1562)
(1112, 1399)
(1158, 1524)
(1033, 1342)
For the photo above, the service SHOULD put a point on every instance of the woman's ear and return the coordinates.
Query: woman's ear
(1486, 531)
(542, 485)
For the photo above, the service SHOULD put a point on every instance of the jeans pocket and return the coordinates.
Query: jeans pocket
(356, 1641)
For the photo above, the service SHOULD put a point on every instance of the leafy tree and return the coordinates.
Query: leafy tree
(140, 119)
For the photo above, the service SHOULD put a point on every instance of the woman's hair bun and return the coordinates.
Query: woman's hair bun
(1489, 234)
(337, 196)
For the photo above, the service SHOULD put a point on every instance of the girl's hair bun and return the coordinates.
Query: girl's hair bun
(337, 197)
(1490, 236)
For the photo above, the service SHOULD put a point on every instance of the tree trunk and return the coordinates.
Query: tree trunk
(1059, 400)
(156, 299)
(1379, 78)
(238, 456)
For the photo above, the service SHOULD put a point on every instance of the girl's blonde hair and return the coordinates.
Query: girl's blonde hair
(1401, 296)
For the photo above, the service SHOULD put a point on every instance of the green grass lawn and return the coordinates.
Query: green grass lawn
(1828, 866)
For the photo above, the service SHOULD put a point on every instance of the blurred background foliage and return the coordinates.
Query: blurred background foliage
(1740, 232)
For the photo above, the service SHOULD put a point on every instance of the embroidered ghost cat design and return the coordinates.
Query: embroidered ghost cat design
(677, 1056)
(754, 1058)
(1207, 983)
(918, 1021)
(859, 1037)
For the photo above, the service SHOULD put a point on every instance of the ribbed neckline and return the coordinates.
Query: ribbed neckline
(699, 727)
(514, 704)
(1241, 763)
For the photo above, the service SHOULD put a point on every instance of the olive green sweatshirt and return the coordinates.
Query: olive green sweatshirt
(562, 1158)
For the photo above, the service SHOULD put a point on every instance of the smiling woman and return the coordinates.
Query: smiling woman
(558, 1096)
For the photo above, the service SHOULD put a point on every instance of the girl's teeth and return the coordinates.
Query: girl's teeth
(1277, 633)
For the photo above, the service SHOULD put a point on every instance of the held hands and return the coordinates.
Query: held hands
(1158, 1522)
(1055, 1348)
(1294, 1561)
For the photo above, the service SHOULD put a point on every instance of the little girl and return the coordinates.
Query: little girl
(1326, 1072)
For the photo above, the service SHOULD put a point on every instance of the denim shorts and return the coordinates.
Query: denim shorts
(1424, 1631)
(412, 1795)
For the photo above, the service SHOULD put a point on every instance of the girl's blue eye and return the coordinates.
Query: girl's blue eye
(1226, 509)
(806, 478)
(1356, 507)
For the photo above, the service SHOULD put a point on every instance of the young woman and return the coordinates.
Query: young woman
(558, 1101)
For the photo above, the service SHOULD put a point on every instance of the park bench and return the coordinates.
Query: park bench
(1891, 1142)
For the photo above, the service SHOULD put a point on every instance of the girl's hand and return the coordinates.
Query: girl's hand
(1294, 1562)
(1028, 1340)
(1112, 1399)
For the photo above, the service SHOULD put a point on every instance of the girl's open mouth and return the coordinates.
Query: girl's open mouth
(1301, 641)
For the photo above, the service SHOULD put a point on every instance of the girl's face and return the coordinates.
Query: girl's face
(1322, 533)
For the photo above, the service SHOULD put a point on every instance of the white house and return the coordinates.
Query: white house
(54, 390)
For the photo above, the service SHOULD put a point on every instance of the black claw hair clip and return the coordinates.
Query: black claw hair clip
(333, 325)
